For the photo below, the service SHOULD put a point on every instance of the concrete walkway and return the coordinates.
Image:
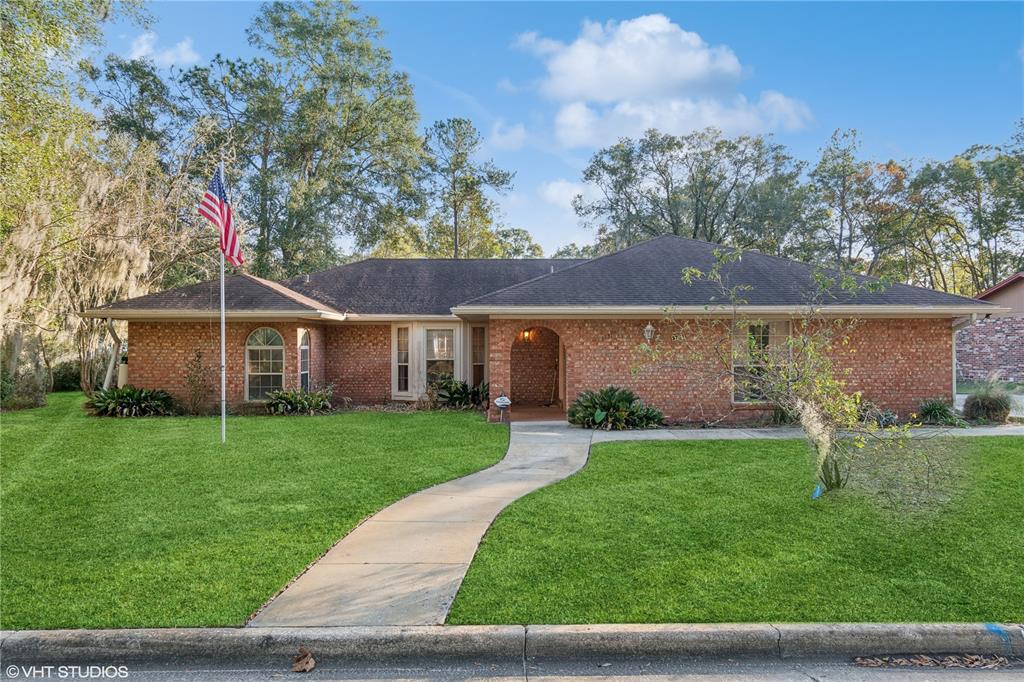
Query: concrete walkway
(788, 432)
(404, 565)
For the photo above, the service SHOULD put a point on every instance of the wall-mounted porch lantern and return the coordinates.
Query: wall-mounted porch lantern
(649, 332)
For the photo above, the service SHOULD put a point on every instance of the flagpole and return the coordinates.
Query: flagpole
(223, 345)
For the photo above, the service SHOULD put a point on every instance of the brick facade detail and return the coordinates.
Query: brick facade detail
(986, 346)
(358, 362)
(159, 351)
(536, 361)
(896, 363)
(355, 358)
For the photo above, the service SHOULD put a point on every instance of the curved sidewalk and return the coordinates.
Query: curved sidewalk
(404, 565)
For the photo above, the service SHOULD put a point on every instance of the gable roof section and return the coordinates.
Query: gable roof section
(242, 294)
(649, 275)
(408, 286)
(1017, 277)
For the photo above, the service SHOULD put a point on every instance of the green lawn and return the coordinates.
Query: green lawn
(150, 522)
(725, 531)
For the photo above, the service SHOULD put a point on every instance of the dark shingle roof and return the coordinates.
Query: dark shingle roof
(649, 274)
(241, 293)
(416, 286)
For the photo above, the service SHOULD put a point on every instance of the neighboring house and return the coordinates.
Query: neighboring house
(540, 331)
(996, 343)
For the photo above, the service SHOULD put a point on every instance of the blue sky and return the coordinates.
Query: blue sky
(549, 83)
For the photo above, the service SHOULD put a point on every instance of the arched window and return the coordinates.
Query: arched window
(304, 361)
(264, 363)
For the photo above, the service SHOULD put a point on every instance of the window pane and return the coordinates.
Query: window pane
(438, 369)
(478, 375)
(305, 381)
(478, 345)
(402, 334)
(304, 360)
(403, 377)
(440, 344)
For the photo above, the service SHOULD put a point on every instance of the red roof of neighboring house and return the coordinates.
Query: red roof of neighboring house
(1016, 277)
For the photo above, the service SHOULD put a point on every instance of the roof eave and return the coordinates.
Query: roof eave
(156, 314)
(494, 311)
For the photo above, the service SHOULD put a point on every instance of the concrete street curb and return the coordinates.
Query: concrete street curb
(511, 642)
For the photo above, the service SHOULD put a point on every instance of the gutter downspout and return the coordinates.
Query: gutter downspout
(115, 354)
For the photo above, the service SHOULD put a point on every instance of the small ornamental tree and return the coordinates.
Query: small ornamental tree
(792, 364)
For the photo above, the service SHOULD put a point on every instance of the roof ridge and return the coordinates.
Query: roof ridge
(288, 293)
(571, 267)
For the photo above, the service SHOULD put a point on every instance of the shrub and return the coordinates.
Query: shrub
(939, 412)
(870, 413)
(782, 417)
(460, 395)
(990, 403)
(198, 385)
(6, 385)
(67, 376)
(298, 401)
(129, 401)
(25, 391)
(613, 408)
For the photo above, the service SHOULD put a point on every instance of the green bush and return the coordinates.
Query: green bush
(613, 409)
(25, 391)
(298, 401)
(129, 401)
(870, 412)
(939, 412)
(67, 376)
(459, 394)
(989, 403)
(6, 386)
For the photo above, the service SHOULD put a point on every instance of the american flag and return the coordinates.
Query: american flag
(216, 208)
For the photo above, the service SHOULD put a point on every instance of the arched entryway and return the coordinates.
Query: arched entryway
(537, 380)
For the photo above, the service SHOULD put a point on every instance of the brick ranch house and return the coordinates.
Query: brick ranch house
(540, 331)
(995, 344)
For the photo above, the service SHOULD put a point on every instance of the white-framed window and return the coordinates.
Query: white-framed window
(439, 354)
(478, 355)
(402, 360)
(304, 361)
(751, 343)
(264, 363)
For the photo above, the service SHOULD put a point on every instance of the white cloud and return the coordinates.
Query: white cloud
(580, 125)
(560, 193)
(507, 137)
(507, 86)
(144, 46)
(620, 78)
(641, 57)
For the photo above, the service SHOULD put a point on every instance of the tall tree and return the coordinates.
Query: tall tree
(699, 185)
(457, 181)
(43, 134)
(323, 130)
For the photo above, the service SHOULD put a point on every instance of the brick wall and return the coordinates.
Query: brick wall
(899, 363)
(536, 362)
(358, 362)
(991, 345)
(158, 352)
(896, 363)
